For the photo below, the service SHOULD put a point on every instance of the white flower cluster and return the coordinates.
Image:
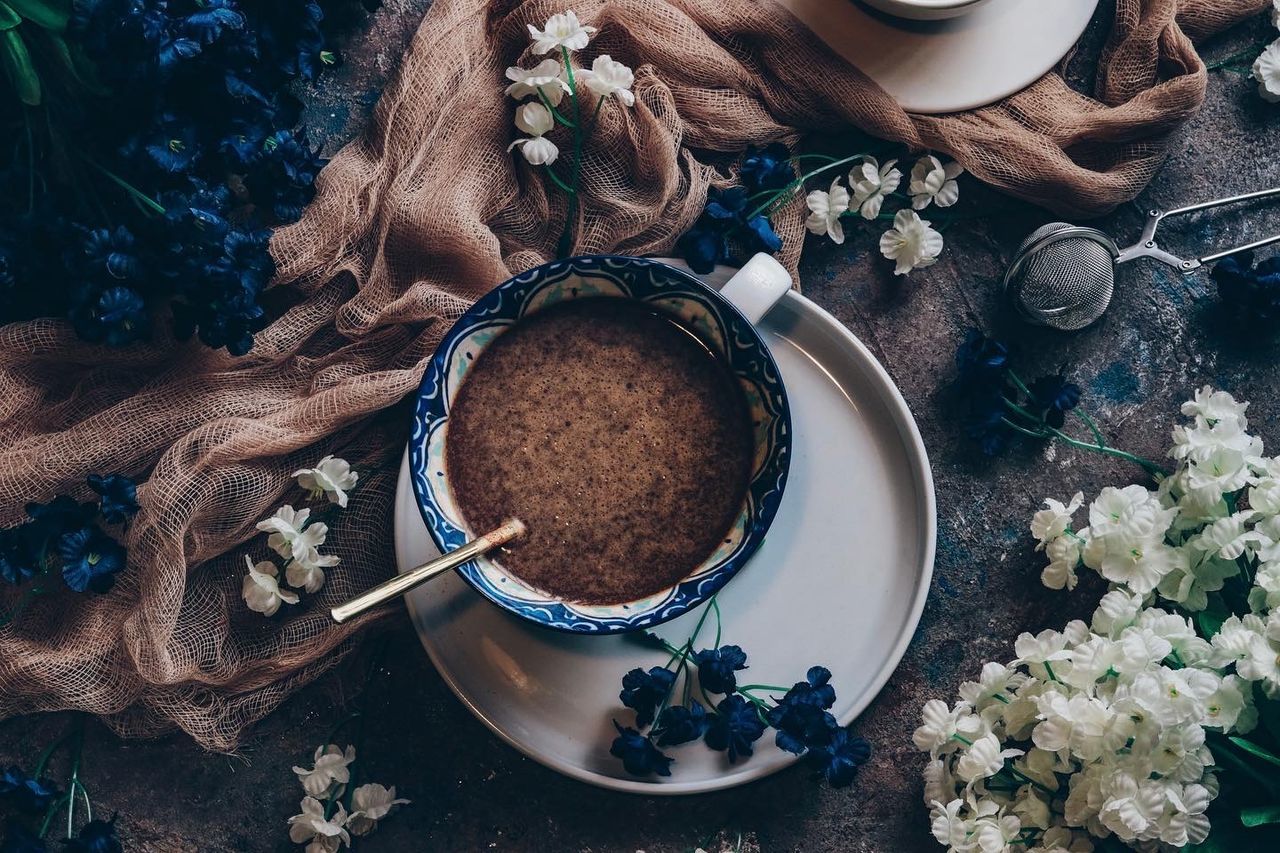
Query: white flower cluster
(325, 824)
(1100, 729)
(911, 242)
(1266, 68)
(549, 81)
(297, 538)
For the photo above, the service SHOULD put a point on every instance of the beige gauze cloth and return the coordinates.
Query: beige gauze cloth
(412, 222)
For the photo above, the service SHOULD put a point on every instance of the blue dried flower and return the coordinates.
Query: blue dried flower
(113, 252)
(90, 559)
(801, 716)
(117, 316)
(286, 172)
(703, 246)
(1252, 292)
(639, 756)
(728, 204)
(734, 728)
(59, 516)
(25, 793)
(97, 836)
(210, 18)
(716, 668)
(839, 759)
(762, 233)
(644, 691)
(678, 724)
(118, 497)
(768, 168)
(986, 422)
(980, 359)
(1052, 397)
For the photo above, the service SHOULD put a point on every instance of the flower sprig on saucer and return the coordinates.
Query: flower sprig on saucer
(801, 719)
(71, 539)
(297, 536)
(34, 801)
(1002, 406)
(771, 176)
(543, 88)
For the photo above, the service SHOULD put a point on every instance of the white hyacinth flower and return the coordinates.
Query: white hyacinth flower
(1266, 70)
(984, 759)
(563, 30)
(329, 767)
(543, 77)
(308, 574)
(825, 210)
(911, 242)
(535, 119)
(871, 182)
(291, 537)
(331, 477)
(934, 183)
(320, 834)
(261, 588)
(370, 804)
(608, 77)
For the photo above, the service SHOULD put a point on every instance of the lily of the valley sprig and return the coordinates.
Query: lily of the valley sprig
(332, 811)
(543, 90)
(296, 535)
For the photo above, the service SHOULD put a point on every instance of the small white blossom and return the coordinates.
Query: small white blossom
(535, 119)
(985, 758)
(825, 210)
(261, 588)
(561, 30)
(331, 477)
(320, 834)
(291, 537)
(309, 574)
(912, 242)
(608, 77)
(370, 804)
(1064, 556)
(543, 77)
(1266, 70)
(871, 182)
(934, 183)
(1213, 405)
(329, 767)
(1050, 523)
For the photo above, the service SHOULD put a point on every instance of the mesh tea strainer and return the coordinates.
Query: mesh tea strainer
(1063, 275)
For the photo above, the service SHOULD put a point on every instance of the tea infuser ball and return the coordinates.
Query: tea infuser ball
(1063, 276)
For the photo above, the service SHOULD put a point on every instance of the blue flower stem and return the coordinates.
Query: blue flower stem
(555, 179)
(747, 687)
(76, 753)
(716, 605)
(1008, 765)
(571, 211)
(1093, 427)
(138, 195)
(1043, 430)
(54, 807)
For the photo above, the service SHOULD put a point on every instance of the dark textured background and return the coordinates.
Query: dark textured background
(1164, 336)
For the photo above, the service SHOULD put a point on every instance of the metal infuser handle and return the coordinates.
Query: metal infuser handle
(1146, 247)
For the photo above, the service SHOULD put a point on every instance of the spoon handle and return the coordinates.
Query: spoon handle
(400, 584)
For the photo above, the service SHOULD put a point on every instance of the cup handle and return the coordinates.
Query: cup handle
(757, 287)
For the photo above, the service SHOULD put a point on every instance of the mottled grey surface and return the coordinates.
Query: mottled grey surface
(1164, 336)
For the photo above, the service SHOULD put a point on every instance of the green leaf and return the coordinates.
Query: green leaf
(16, 60)
(47, 14)
(1259, 815)
(1210, 620)
(8, 18)
(1255, 750)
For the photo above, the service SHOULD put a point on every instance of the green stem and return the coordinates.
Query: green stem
(596, 113)
(571, 212)
(1093, 427)
(716, 605)
(75, 778)
(1025, 778)
(53, 810)
(137, 194)
(1048, 668)
(762, 687)
(800, 181)
(555, 179)
(546, 102)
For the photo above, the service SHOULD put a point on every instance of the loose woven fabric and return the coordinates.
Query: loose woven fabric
(411, 223)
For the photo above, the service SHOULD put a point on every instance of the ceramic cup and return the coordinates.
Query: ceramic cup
(721, 320)
(926, 10)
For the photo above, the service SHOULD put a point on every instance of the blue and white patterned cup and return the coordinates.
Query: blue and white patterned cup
(723, 321)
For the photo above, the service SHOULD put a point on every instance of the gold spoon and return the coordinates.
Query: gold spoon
(511, 529)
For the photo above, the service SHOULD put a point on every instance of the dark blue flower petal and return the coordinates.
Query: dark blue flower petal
(89, 558)
(726, 204)
(1052, 397)
(19, 839)
(678, 724)
(703, 248)
(734, 728)
(839, 759)
(639, 756)
(96, 836)
(118, 497)
(716, 668)
(767, 169)
(644, 691)
(980, 359)
(761, 229)
(25, 793)
(801, 717)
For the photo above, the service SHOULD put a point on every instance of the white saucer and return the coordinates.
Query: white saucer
(840, 581)
(952, 65)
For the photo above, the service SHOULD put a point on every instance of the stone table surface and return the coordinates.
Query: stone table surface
(1164, 336)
